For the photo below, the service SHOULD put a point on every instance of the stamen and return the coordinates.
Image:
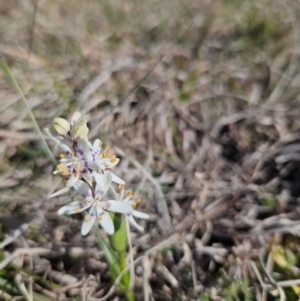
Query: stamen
(60, 167)
(107, 148)
(86, 202)
(130, 194)
(78, 210)
(87, 218)
(136, 203)
(66, 172)
(113, 160)
(112, 157)
(121, 186)
(100, 143)
(108, 165)
(77, 174)
(61, 156)
(104, 154)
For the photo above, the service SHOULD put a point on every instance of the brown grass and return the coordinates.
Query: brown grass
(200, 101)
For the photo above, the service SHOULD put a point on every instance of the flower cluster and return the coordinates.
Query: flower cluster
(85, 168)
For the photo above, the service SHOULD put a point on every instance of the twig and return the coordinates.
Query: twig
(31, 29)
(24, 251)
(145, 263)
(261, 257)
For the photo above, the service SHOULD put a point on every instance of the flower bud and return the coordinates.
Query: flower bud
(79, 129)
(61, 126)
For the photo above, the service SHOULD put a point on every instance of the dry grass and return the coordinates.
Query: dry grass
(201, 102)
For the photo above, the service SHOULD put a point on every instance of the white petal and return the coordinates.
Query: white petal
(116, 179)
(134, 223)
(84, 190)
(112, 164)
(106, 222)
(96, 146)
(78, 184)
(72, 180)
(59, 192)
(74, 207)
(93, 166)
(117, 206)
(75, 117)
(140, 214)
(88, 224)
(82, 148)
(87, 176)
(113, 191)
(65, 148)
(50, 136)
(99, 193)
(103, 180)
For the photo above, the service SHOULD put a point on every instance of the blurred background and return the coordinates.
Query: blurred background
(200, 100)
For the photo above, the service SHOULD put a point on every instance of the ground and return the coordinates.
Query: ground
(200, 101)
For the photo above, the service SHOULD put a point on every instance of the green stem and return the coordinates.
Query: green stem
(129, 294)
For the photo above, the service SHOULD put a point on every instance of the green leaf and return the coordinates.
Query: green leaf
(39, 297)
(118, 240)
(109, 254)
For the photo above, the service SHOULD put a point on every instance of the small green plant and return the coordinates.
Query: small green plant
(85, 169)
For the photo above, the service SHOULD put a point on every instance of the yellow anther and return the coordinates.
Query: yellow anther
(136, 203)
(77, 174)
(78, 210)
(121, 187)
(113, 160)
(61, 156)
(99, 218)
(78, 166)
(72, 153)
(87, 218)
(108, 165)
(98, 199)
(104, 154)
(100, 143)
(130, 194)
(86, 202)
(60, 167)
(107, 148)
(112, 157)
(66, 172)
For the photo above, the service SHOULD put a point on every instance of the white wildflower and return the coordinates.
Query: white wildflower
(131, 204)
(96, 209)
